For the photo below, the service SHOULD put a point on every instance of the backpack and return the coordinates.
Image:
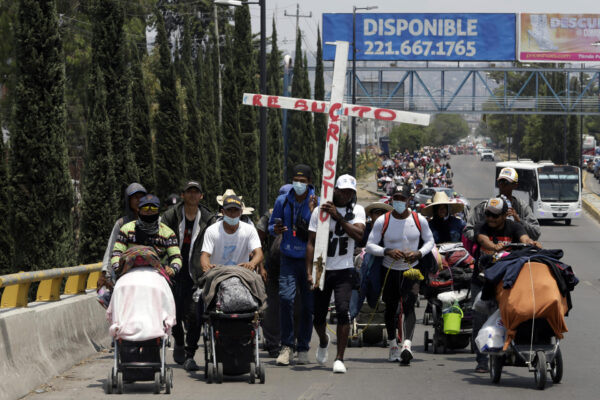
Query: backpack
(370, 284)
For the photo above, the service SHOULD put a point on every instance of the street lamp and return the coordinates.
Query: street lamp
(263, 90)
(354, 8)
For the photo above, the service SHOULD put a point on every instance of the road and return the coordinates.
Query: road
(439, 376)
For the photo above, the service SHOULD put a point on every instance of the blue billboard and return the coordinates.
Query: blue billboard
(423, 37)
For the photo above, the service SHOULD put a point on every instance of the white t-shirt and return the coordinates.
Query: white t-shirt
(340, 253)
(230, 249)
(401, 234)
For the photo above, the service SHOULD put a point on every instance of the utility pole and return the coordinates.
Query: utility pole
(298, 16)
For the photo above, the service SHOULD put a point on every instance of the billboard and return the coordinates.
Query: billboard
(559, 38)
(424, 37)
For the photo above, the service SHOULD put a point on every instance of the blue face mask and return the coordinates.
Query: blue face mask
(399, 206)
(231, 221)
(299, 187)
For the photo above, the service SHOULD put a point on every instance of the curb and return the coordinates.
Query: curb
(587, 206)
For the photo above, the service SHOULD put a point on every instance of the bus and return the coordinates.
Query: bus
(552, 191)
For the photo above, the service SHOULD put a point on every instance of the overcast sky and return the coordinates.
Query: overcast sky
(286, 25)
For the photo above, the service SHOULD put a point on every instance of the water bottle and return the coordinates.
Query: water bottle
(509, 204)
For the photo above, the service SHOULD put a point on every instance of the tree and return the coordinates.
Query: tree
(245, 73)
(320, 119)
(301, 138)
(407, 136)
(6, 242)
(41, 188)
(167, 121)
(97, 214)
(275, 143)
(141, 133)
(447, 129)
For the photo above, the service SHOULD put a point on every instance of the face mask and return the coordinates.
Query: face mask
(399, 206)
(299, 187)
(149, 218)
(148, 224)
(231, 221)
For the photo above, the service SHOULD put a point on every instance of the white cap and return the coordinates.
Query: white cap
(510, 174)
(346, 182)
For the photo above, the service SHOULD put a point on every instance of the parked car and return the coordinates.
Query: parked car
(487, 154)
(427, 193)
(592, 163)
(585, 161)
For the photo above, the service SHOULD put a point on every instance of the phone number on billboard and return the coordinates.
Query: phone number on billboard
(422, 48)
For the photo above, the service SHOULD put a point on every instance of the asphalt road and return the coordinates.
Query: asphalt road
(430, 376)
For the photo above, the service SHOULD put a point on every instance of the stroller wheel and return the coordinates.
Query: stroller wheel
(556, 367)
(540, 370)
(109, 383)
(119, 383)
(261, 373)
(210, 372)
(219, 374)
(157, 384)
(169, 381)
(252, 377)
(360, 339)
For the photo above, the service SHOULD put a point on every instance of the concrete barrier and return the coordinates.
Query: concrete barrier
(45, 339)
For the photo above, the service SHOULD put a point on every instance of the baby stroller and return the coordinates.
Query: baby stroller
(139, 327)
(533, 342)
(442, 289)
(233, 297)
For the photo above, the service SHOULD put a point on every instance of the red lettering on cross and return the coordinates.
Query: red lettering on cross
(326, 185)
(256, 100)
(362, 110)
(385, 114)
(314, 107)
(334, 107)
(329, 167)
(301, 105)
(323, 216)
(332, 132)
(272, 102)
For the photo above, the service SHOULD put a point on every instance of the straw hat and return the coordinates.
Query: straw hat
(442, 198)
(378, 205)
(228, 192)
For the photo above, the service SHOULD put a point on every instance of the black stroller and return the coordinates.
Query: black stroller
(231, 328)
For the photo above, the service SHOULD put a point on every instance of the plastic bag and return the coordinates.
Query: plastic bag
(492, 334)
(485, 307)
(233, 296)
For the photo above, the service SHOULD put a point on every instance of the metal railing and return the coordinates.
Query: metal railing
(16, 286)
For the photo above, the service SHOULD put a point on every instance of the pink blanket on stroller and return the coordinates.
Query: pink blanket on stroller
(142, 306)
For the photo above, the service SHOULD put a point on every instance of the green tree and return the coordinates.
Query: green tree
(8, 15)
(6, 239)
(320, 119)
(97, 214)
(245, 73)
(275, 142)
(408, 136)
(447, 129)
(167, 121)
(41, 188)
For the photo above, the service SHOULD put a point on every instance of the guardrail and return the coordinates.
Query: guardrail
(16, 286)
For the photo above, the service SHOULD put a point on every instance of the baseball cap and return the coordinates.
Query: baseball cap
(135, 188)
(232, 201)
(302, 170)
(496, 205)
(346, 182)
(192, 184)
(510, 174)
(149, 199)
(403, 190)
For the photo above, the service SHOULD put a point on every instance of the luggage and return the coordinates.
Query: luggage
(234, 297)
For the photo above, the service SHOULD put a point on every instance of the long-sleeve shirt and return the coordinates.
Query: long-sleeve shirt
(401, 234)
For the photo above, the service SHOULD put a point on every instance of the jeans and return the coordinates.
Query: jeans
(186, 314)
(292, 277)
(478, 321)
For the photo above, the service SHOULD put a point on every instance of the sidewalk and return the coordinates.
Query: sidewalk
(591, 201)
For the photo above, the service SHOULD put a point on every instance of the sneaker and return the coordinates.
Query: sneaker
(406, 353)
(179, 354)
(190, 365)
(284, 356)
(482, 367)
(302, 358)
(323, 352)
(339, 367)
(394, 351)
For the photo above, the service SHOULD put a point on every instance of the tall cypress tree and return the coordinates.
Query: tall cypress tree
(98, 178)
(245, 79)
(232, 155)
(167, 121)
(301, 137)
(109, 52)
(320, 119)
(141, 133)
(275, 142)
(41, 188)
(6, 243)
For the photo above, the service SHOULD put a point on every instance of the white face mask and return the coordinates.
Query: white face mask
(399, 206)
(299, 187)
(231, 221)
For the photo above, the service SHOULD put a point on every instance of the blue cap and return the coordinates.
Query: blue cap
(149, 199)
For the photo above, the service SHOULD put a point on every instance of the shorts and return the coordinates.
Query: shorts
(339, 282)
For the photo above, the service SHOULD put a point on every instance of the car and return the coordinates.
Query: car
(592, 163)
(597, 167)
(427, 193)
(586, 161)
(487, 154)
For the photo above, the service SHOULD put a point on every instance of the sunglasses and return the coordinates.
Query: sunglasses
(503, 182)
(149, 208)
(492, 215)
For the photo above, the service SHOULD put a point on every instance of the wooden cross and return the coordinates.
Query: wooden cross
(335, 109)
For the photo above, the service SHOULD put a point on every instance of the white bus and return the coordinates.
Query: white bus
(552, 191)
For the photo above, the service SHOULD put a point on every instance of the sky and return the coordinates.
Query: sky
(286, 25)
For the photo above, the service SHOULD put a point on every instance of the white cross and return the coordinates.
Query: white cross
(335, 108)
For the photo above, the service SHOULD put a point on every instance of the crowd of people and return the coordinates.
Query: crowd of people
(190, 240)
